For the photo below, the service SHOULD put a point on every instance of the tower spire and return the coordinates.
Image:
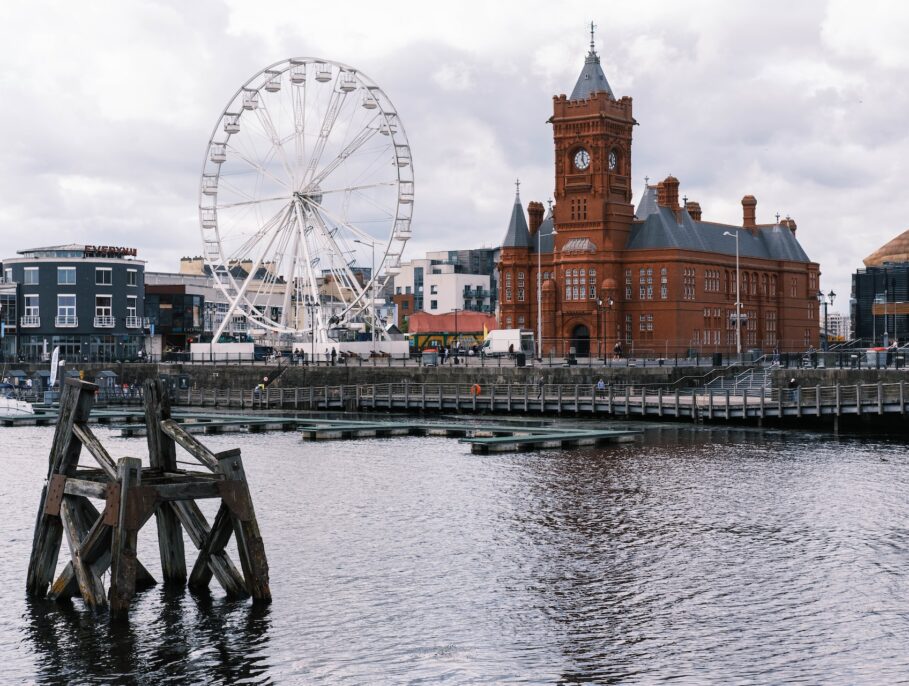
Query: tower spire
(592, 28)
(517, 190)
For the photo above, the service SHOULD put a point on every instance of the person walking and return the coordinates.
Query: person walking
(601, 387)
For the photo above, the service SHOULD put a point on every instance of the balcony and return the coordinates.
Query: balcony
(30, 321)
(134, 322)
(66, 321)
(104, 322)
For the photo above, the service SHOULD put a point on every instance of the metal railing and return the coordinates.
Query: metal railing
(104, 322)
(641, 399)
(134, 322)
(66, 321)
(30, 321)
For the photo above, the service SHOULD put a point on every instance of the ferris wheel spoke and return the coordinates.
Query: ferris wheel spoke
(328, 122)
(262, 170)
(320, 209)
(328, 237)
(269, 127)
(261, 201)
(362, 187)
(225, 184)
(299, 107)
(348, 150)
(248, 246)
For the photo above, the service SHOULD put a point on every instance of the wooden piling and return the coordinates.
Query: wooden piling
(123, 544)
(162, 453)
(75, 406)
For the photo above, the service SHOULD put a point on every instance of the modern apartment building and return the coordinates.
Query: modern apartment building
(86, 299)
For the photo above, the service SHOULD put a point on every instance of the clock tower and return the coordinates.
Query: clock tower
(592, 132)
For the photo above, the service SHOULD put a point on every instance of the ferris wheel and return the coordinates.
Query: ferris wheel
(307, 179)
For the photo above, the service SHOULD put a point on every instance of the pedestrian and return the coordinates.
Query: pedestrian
(794, 389)
(601, 387)
(334, 356)
(617, 350)
(539, 387)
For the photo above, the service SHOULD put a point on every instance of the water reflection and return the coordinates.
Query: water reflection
(170, 637)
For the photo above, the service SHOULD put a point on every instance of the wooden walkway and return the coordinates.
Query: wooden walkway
(619, 401)
(645, 402)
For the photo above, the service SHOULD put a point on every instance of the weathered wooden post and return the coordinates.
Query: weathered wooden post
(123, 556)
(162, 453)
(102, 540)
(75, 406)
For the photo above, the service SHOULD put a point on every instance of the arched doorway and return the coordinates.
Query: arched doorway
(580, 340)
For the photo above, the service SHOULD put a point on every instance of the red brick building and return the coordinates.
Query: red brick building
(658, 278)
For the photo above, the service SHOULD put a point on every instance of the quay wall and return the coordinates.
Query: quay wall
(248, 376)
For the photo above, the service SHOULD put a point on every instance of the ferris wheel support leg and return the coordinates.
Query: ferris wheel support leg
(248, 280)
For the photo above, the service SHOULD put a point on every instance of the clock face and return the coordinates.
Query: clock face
(582, 159)
(613, 160)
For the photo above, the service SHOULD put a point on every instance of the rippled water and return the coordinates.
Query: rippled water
(696, 555)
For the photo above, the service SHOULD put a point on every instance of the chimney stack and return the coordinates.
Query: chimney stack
(790, 224)
(535, 212)
(749, 203)
(694, 209)
(668, 193)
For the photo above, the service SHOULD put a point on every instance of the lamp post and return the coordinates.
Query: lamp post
(457, 331)
(540, 282)
(826, 300)
(372, 295)
(738, 300)
(602, 305)
(311, 305)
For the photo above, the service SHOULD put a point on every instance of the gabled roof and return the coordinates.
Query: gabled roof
(518, 235)
(661, 229)
(592, 79)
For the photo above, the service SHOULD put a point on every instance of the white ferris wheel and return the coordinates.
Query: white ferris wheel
(307, 176)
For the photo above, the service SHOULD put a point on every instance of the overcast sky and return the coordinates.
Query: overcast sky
(108, 108)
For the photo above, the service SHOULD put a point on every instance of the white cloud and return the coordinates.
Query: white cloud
(108, 107)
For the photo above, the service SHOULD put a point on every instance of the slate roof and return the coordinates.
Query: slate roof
(658, 228)
(518, 235)
(547, 238)
(592, 79)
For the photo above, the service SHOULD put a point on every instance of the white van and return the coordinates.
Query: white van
(505, 341)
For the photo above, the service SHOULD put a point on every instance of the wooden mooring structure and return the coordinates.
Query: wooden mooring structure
(106, 540)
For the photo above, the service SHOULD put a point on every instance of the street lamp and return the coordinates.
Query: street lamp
(602, 305)
(738, 300)
(372, 295)
(826, 300)
(540, 282)
(311, 306)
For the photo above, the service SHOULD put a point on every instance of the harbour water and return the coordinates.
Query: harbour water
(697, 555)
